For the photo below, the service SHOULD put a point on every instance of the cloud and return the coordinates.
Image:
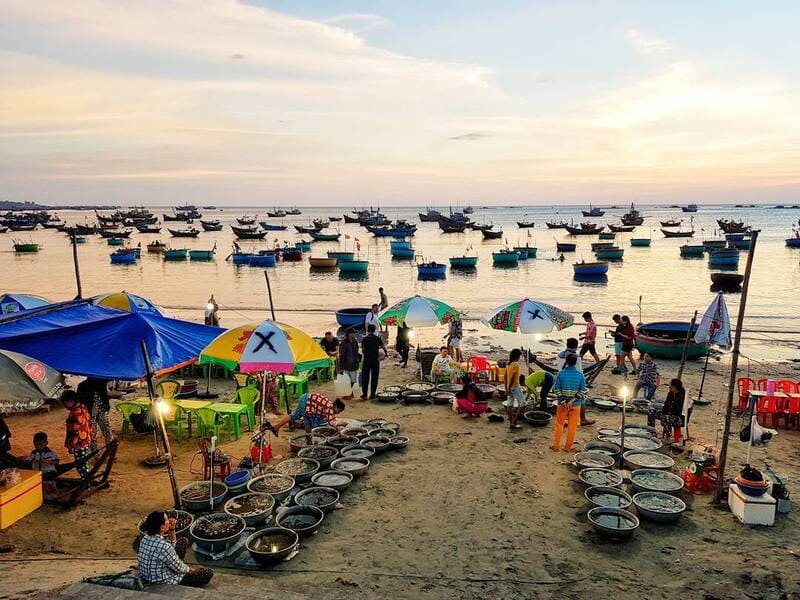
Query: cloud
(646, 44)
(471, 136)
(359, 22)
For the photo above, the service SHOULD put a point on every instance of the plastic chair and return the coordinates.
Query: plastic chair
(479, 368)
(791, 413)
(168, 388)
(744, 384)
(786, 386)
(222, 468)
(209, 420)
(244, 380)
(762, 384)
(249, 397)
(768, 405)
(127, 409)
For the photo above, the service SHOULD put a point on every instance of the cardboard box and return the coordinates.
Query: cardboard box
(17, 501)
(751, 510)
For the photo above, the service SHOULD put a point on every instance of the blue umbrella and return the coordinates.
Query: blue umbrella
(10, 303)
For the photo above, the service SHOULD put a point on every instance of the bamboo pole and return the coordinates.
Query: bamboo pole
(686, 344)
(272, 312)
(723, 452)
(74, 241)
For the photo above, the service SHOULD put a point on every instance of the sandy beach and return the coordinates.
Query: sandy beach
(468, 510)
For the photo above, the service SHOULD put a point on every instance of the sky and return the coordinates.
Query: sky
(340, 102)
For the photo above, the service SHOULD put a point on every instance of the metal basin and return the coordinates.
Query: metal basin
(304, 520)
(599, 476)
(647, 459)
(272, 483)
(589, 460)
(338, 480)
(379, 444)
(420, 386)
(354, 431)
(654, 480)
(324, 498)
(609, 448)
(217, 531)
(325, 430)
(448, 387)
(608, 497)
(538, 418)
(299, 442)
(342, 441)
(385, 396)
(641, 430)
(195, 497)
(254, 507)
(357, 451)
(415, 396)
(323, 454)
(614, 522)
(355, 465)
(658, 506)
(441, 398)
(302, 469)
(272, 545)
(382, 432)
(635, 442)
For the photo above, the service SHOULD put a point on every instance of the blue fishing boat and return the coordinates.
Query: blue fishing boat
(175, 253)
(640, 242)
(262, 260)
(725, 257)
(402, 252)
(505, 257)
(353, 266)
(692, 250)
(116, 241)
(292, 254)
(123, 257)
(400, 244)
(463, 262)
(351, 317)
(203, 254)
(712, 244)
(565, 247)
(590, 268)
(613, 253)
(607, 235)
(601, 245)
(341, 256)
(432, 270)
(386, 231)
(793, 242)
(742, 244)
(303, 246)
(241, 258)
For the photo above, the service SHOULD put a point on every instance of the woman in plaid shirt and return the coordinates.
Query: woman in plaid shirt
(648, 374)
(159, 555)
(314, 409)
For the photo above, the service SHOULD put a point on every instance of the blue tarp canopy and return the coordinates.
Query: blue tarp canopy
(83, 339)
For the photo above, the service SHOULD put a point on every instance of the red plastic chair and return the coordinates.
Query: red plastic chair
(786, 386)
(745, 384)
(791, 413)
(768, 405)
(478, 368)
(222, 468)
(762, 385)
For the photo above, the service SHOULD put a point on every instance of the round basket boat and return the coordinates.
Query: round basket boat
(655, 480)
(442, 397)
(272, 545)
(591, 460)
(420, 386)
(647, 459)
(608, 497)
(299, 442)
(415, 396)
(537, 418)
(217, 531)
(613, 522)
(355, 465)
(609, 448)
(302, 469)
(254, 507)
(600, 476)
(324, 455)
(304, 520)
(278, 486)
(658, 506)
(357, 451)
(324, 498)
(196, 497)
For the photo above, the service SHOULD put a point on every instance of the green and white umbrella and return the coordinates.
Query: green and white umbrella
(528, 316)
(418, 311)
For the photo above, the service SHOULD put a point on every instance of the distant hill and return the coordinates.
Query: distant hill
(11, 205)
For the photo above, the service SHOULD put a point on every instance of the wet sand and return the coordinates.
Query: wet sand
(469, 510)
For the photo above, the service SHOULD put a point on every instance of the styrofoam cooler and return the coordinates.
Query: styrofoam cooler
(751, 510)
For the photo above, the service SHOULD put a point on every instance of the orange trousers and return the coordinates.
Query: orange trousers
(571, 416)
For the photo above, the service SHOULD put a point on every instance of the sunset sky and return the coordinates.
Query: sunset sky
(412, 102)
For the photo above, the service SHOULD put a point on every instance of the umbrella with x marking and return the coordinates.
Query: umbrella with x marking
(265, 346)
(527, 316)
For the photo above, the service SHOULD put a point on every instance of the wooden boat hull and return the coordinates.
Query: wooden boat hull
(325, 237)
(123, 258)
(488, 234)
(670, 223)
(565, 247)
(353, 266)
(593, 213)
(242, 258)
(211, 226)
(723, 258)
(640, 242)
(321, 263)
(677, 234)
(727, 281)
(527, 225)
(463, 262)
(450, 228)
(437, 271)
(270, 227)
(624, 228)
(583, 231)
(115, 234)
(193, 233)
(351, 317)
(505, 258)
(590, 268)
(666, 340)
(147, 229)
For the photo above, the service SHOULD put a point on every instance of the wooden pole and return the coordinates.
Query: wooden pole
(686, 344)
(74, 241)
(272, 312)
(151, 392)
(737, 340)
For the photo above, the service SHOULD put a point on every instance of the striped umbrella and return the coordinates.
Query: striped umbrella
(16, 302)
(418, 311)
(528, 316)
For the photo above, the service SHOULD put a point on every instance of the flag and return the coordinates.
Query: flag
(715, 327)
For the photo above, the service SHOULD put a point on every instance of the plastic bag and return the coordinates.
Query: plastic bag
(342, 385)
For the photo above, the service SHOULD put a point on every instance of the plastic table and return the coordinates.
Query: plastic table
(232, 410)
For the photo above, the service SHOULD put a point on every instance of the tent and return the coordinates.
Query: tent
(83, 339)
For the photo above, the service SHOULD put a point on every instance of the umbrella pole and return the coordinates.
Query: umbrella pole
(703, 378)
(686, 343)
(272, 312)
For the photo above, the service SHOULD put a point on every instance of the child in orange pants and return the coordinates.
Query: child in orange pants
(571, 414)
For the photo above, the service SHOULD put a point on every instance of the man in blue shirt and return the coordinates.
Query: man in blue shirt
(569, 391)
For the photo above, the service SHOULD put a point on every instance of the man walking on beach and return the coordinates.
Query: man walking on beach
(563, 356)
(589, 337)
(569, 391)
(371, 346)
(372, 318)
(349, 358)
(455, 332)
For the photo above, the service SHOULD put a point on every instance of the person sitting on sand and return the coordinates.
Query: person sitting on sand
(671, 413)
(470, 399)
(536, 381)
(516, 396)
(647, 370)
(569, 390)
(314, 409)
(442, 367)
(160, 555)
(43, 458)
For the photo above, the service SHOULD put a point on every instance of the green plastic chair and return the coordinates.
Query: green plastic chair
(244, 380)
(127, 409)
(249, 397)
(210, 421)
(180, 418)
(168, 388)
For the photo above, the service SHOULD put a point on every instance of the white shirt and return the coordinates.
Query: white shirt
(562, 358)
(371, 319)
(441, 364)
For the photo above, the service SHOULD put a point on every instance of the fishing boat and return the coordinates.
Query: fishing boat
(689, 208)
(731, 226)
(691, 250)
(303, 245)
(666, 339)
(115, 241)
(246, 220)
(431, 270)
(176, 217)
(678, 234)
(640, 242)
(334, 219)
(295, 211)
(601, 245)
(522, 252)
(400, 244)
(85, 229)
(3, 228)
(529, 251)
(214, 225)
(555, 224)
(481, 226)
(123, 256)
(594, 211)
(248, 233)
(351, 317)
(319, 262)
(55, 224)
(724, 257)
(272, 227)
(614, 253)
(389, 231)
(241, 258)
(607, 235)
(671, 223)
(145, 228)
(624, 228)
(793, 242)
(262, 259)
(489, 234)
(203, 254)
(463, 262)
(739, 241)
(468, 210)
(318, 236)
(156, 246)
(184, 233)
(710, 244)
(632, 217)
(584, 229)
(402, 252)
(726, 281)
(429, 216)
(530, 224)
(565, 247)
(353, 266)
(105, 233)
(292, 254)
(26, 247)
(175, 253)
(590, 268)
(349, 219)
(448, 226)
(20, 226)
(341, 255)
(306, 228)
(505, 257)
(276, 214)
